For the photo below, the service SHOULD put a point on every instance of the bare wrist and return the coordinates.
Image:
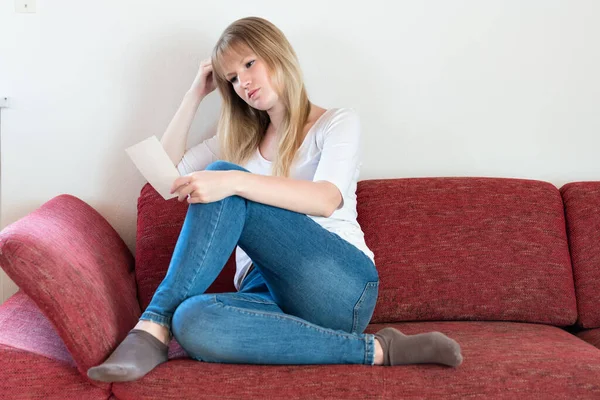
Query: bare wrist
(193, 96)
(236, 182)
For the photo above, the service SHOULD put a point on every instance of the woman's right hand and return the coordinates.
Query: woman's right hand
(204, 83)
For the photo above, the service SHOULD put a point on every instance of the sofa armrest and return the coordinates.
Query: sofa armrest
(70, 261)
(581, 203)
(592, 336)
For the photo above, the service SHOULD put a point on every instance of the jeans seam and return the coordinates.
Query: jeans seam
(256, 301)
(287, 317)
(159, 319)
(360, 301)
(370, 349)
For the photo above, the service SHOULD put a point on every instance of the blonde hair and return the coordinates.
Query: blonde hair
(241, 127)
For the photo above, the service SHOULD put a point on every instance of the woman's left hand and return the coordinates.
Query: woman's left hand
(205, 186)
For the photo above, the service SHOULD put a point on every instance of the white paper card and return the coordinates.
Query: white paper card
(155, 165)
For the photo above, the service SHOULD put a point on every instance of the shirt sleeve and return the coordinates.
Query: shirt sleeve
(199, 156)
(340, 154)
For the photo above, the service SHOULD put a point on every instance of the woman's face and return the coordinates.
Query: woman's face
(250, 78)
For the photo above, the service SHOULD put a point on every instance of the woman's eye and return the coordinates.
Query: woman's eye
(248, 65)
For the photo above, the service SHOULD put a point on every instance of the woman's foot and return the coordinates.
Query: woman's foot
(395, 348)
(160, 332)
(138, 354)
(378, 353)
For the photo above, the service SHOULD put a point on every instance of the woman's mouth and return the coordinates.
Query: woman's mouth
(252, 93)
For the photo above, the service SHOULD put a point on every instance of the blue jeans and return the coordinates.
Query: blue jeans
(308, 299)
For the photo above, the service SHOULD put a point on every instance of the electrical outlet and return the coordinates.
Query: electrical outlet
(4, 102)
(25, 6)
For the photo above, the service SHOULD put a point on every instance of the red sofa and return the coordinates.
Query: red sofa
(509, 268)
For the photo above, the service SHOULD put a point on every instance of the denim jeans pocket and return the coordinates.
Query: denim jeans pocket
(363, 310)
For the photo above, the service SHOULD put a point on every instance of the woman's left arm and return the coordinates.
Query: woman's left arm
(319, 198)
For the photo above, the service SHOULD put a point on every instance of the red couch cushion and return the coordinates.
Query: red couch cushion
(501, 360)
(445, 248)
(582, 209)
(468, 249)
(72, 263)
(34, 362)
(26, 328)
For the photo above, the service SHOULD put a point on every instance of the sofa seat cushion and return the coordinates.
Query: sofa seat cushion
(34, 361)
(521, 359)
(23, 326)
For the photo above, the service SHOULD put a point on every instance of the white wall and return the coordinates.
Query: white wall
(444, 88)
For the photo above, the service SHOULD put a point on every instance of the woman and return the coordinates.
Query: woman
(307, 282)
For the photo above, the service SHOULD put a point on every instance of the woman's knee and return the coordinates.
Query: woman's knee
(221, 165)
(191, 323)
(203, 327)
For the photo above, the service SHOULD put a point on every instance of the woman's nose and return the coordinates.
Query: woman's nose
(245, 80)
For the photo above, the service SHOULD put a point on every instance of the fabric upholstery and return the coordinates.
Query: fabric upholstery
(468, 249)
(445, 248)
(501, 360)
(592, 336)
(582, 210)
(70, 261)
(483, 260)
(34, 361)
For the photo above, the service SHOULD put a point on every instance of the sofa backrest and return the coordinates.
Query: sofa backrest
(445, 249)
(582, 210)
(468, 249)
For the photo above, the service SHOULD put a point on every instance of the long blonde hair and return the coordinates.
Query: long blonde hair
(241, 127)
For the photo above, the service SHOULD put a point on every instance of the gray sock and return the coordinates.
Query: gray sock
(137, 355)
(424, 348)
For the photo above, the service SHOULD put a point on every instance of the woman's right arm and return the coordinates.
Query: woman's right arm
(175, 137)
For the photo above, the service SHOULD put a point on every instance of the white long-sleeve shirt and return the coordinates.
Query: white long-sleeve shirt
(331, 152)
